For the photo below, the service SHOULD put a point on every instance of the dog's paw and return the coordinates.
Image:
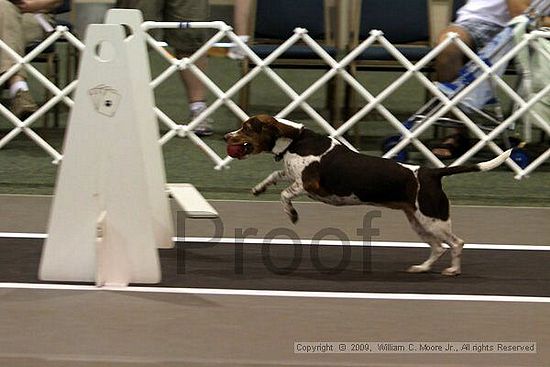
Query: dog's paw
(417, 269)
(293, 215)
(257, 190)
(451, 272)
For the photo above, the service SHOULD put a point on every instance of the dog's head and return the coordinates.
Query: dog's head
(261, 133)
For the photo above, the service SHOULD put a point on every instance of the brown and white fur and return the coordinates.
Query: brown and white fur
(325, 170)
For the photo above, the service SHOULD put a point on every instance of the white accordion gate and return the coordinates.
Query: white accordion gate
(335, 68)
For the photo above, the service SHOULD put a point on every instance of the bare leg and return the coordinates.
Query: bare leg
(196, 90)
(447, 66)
(451, 59)
(241, 16)
(196, 95)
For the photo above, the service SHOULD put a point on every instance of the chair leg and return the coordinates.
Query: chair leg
(50, 67)
(331, 103)
(427, 95)
(244, 92)
(69, 65)
(73, 72)
(351, 106)
(57, 82)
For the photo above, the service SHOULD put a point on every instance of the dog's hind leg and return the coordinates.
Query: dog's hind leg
(456, 252)
(435, 243)
(272, 179)
(287, 195)
(436, 251)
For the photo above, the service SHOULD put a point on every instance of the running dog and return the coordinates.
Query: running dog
(325, 170)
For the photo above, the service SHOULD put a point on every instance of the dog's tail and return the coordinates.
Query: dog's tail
(483, 166)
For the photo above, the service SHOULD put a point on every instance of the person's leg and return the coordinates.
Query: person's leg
(23, 104)
(150, 9)
(241, 17)
(196, 91)
(186, 42)
(475, 33)
(447, 67)
(241, 25)
(11, 32)
(451, 59)
(17, 30)
(182, 41)
(196, 94)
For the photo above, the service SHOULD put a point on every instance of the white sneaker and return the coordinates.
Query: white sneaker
(237, 53)
(203, 128)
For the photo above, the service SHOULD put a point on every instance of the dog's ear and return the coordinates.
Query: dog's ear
(260, 122)
(285, 130)
(288, 131)
(274, 127)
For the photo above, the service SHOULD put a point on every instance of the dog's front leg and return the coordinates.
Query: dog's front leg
(272, 179)
(287, 195)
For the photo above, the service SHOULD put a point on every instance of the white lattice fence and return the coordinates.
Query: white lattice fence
(299, 100)
(224, 98)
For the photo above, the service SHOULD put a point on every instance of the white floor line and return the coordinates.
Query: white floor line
(290, 294)
(286, 241)
(245, 201)
(371, 207)
(23, 235)
(309, 242)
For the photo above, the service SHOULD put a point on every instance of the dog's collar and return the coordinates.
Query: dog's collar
(281, 147)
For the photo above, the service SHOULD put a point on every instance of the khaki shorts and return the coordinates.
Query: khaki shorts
(184, 41)
(17, 31)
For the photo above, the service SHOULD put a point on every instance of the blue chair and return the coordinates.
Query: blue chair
(273, 22)
(405, 23)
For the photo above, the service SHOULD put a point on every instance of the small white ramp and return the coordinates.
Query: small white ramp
(190, 200)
